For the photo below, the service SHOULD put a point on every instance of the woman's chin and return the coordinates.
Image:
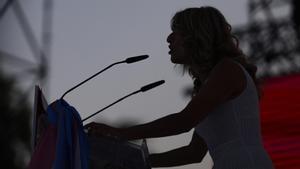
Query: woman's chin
(176, 60)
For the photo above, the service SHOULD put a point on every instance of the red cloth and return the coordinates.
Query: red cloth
(280, 117)
(44, 153)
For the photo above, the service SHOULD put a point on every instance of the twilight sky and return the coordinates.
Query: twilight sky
(89, 35)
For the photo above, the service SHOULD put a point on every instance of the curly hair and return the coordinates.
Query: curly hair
(207, 40)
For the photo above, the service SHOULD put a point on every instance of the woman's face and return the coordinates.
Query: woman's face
(177, 51)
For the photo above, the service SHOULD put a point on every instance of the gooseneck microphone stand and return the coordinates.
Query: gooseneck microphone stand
(143, 89)
(128, 61)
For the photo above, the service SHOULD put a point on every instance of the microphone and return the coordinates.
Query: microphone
(152, 85)
(142, 89)
(136, 58)
(128, 61)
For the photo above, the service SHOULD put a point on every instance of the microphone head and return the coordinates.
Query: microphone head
(136, 58)
(152, 85)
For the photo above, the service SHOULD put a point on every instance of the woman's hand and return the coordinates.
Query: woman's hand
(100, 129)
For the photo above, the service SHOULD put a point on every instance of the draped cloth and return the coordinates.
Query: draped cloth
(64, 144)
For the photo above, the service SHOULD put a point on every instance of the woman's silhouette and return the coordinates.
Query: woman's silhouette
(224, 109)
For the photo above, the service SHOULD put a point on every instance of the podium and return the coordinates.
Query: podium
(115, 154)
(105, 153)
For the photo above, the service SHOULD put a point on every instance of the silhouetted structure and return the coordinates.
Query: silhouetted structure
(270, 40)
(37, 70)
(15, 113)
(296, 16)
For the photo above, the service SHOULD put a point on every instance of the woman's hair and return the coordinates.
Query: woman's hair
(207, 40)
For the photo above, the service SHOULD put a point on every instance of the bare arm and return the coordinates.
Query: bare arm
(225, 80)
(192, 153)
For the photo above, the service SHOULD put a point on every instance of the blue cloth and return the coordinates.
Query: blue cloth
(70, 136)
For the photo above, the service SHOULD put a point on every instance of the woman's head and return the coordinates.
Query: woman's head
(202, 37)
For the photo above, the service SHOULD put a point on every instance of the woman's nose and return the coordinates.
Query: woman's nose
(169, 38)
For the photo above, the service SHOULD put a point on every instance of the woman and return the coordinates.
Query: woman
(224, 109)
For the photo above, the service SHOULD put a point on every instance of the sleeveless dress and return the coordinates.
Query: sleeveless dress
(232, 132)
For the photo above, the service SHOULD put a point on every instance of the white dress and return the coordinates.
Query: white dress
(232, 132)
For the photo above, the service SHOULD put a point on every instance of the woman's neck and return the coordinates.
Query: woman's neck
(197, 74)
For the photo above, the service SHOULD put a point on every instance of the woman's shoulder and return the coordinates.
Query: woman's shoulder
(225, 82)
(230, 72)
(227, 67)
